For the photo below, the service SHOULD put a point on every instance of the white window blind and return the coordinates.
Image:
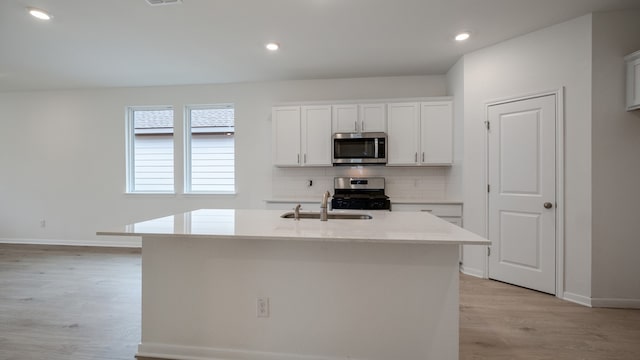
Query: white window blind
(210, 150)
(150, 150)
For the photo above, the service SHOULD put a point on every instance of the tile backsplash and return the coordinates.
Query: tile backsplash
(402, 183)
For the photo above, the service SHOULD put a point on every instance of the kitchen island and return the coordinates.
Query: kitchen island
(248, 284)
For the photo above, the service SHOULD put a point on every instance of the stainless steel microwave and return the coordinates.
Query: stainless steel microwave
(359, 148)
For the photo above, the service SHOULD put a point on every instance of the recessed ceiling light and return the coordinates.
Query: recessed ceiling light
(163, 2)
(38, 13)
(272, 46)
(462, 36)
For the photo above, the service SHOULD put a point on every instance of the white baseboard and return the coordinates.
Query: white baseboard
(110, 241)
(578, 299)
(179, 352)
(602, 302)
(616, 303)
(471, 271)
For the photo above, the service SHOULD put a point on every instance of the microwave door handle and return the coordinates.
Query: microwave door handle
(375, 147)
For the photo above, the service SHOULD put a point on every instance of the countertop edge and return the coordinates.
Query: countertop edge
(291, 238)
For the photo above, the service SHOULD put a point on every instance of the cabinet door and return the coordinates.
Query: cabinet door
(373, 118)
(286, 135)
(440, 210)
(316, 135)
(403, 132)
(345, 118)
(633, 81)
(436, 133)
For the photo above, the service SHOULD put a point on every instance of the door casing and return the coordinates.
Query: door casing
(559, 93)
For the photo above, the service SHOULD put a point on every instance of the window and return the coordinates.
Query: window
(210, 149)
(150, 150)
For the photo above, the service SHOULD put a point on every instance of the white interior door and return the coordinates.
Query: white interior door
(522, 192)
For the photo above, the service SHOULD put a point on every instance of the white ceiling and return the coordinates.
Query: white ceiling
(112, 43)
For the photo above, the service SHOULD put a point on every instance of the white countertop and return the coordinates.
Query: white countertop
(423, 201)
(386, 227)
(393, 201)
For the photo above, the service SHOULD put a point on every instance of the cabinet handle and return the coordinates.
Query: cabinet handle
(305, 158)
(298, 158)
(423, 156)
(355, 125)
(362, 126)
(416, 157)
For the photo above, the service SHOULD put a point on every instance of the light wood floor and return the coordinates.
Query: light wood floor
(500, 321)
(74, 303)
(69, 303)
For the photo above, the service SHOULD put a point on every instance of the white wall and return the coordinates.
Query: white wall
(616, 174)
(62, 153)
(401, 183)
(548, 59)
(455, 88)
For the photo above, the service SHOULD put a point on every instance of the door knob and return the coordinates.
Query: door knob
(548, 205)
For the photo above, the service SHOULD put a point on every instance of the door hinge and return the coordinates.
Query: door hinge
(488, 251)
(488, 124)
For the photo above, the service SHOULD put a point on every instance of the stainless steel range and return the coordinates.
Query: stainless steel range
(360, 193)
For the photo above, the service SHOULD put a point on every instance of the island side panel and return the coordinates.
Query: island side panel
(333, 300)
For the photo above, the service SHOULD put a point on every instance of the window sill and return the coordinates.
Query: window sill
(221, 194)
(149, 194)
(192, 194)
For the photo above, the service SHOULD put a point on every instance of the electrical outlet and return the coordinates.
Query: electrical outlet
(262, 307)
(310, 183)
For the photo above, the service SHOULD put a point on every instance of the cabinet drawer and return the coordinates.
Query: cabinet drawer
(441, 210)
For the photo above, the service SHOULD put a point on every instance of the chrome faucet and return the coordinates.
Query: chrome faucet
(323, 206)
(296, 212)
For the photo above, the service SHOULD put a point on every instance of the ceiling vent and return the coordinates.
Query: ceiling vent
(163, 2)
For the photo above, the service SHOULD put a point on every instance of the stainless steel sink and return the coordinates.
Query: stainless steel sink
(338, 216)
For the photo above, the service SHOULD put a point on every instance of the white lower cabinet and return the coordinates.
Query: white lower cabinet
(301, 135)
(450, 212)
(306, 205)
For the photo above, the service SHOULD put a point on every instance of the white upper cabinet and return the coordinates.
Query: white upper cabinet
(301, 135)
(403, 124)
(420, 134)
(436, 133)
(373, 117)
(345, 118)
(316, 135)
(633, 81)
(359, 118)
(286, 135)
